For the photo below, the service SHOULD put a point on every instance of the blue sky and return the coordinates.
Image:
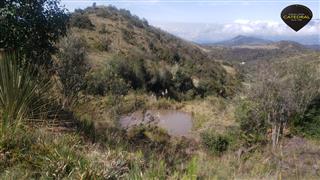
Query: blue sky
(201, 20)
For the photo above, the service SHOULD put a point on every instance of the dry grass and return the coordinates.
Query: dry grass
(211, 113)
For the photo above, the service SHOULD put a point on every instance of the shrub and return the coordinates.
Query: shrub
(131, 70)
(309, 123)
(81, 21)
(252, 123)
(72, 67)
(215, 143)
(280, 92)
(105, 81)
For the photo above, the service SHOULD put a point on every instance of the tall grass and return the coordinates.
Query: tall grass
(21, 91)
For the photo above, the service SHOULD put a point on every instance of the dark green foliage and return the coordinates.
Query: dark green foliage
(32, 27)
(183, 81)
(309, 123)
(105, 80)
(72, 66)
(249, 123)
(122, 73)
(176, 58)
(132, 71)
(159, 80)
(216, 143)
(253, 125)
(81, 21)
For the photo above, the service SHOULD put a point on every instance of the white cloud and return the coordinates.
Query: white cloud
(217, 32)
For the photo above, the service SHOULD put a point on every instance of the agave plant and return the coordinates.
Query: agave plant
(20, 91)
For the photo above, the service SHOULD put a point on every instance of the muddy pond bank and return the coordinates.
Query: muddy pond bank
(177, 123)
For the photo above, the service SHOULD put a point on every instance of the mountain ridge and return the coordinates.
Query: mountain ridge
(243, 40)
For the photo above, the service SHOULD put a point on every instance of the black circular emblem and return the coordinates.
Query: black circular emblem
(296, 16)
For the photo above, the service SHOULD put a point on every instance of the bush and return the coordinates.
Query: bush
(252, 123)
(105, 81)
(131, 70)
(280, 92)
(215, 143)
(309, 123)
(72, 67)
(81, 21)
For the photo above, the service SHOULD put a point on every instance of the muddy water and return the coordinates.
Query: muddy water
(177, 123)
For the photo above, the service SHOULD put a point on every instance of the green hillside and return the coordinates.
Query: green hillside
(163, 60)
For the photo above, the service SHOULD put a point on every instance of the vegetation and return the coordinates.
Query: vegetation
(32, 27)
(125, 66)
(216, 143)
(280, 93)
(72, 67)
(21, 93)
(136, 50)
(81, 21)
(309, 123)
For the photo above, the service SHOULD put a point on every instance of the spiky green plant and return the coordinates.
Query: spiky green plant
(21, 91)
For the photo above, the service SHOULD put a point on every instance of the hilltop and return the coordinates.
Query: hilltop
(112, 33)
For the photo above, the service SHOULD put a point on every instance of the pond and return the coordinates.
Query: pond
(177, 123)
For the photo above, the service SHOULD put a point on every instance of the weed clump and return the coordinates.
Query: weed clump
(215, 143)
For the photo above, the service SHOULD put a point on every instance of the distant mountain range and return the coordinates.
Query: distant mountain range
(242, 41)
(248, 49)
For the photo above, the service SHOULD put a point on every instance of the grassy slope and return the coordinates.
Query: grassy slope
(127, 36)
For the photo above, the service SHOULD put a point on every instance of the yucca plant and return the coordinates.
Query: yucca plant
(21, 91)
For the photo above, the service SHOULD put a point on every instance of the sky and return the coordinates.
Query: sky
(216, 20)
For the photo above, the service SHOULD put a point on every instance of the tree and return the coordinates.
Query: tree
(32, 27)
(72, 67)
(281, 92)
